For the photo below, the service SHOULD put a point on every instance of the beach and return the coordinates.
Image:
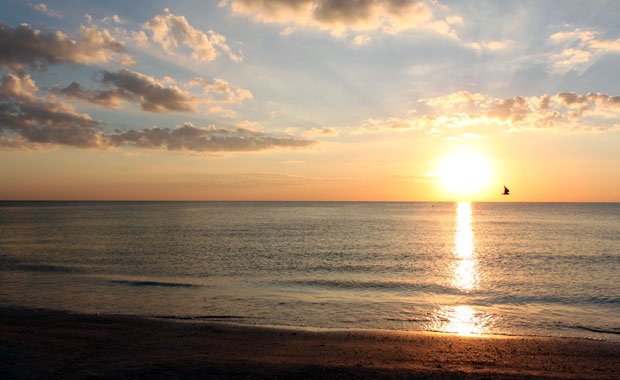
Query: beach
(56, 344)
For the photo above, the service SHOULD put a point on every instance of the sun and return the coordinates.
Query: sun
(465, 172)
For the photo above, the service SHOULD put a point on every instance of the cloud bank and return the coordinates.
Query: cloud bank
(28, 122)
(562, 112)
(204, 139)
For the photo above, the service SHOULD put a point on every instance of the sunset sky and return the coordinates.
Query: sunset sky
(374, 100)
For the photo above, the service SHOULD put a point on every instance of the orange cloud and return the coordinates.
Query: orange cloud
(337, 16)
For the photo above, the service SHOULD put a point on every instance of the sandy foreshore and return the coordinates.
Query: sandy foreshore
(53, 344)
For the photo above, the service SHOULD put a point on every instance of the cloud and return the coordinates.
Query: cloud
(106, 98)
(570, 58)
(476, 115)
(23, 45)
(339, 16)
(171, 31)
(567, 111)
(361, 39)
(490, 45)
(30, 123)
(324, 132)
(114, 19)
(246, 124)
(223, 112)
(29, 120)
(223, 91)
(13, 86)
(463, 100)
(391, 123)
(579, 47)
(152, 95)
(187, 137)
(41, 7)
(513, 109)
(140, 38)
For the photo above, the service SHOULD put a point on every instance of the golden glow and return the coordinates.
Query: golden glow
(465, 276)
(463, 319)
(465, 172)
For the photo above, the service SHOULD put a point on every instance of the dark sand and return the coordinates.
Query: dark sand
(51, 344)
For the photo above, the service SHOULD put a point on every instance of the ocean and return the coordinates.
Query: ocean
(535, 269)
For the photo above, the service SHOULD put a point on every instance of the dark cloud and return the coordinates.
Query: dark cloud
(41, 121)
(23, 45)
(514, 109)
(204, 139)
(605, 100)
(393, 15)
(29, 122)
(545, 102)
(570, 98)
(152, 95)
(345, 11)
(106, 98)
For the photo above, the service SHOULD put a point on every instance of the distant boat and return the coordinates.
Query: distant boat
(506, 191)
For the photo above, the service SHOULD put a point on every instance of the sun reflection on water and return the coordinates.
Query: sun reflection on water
(464, 271)
(463, 319)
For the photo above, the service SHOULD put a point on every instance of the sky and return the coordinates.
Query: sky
(318, 100)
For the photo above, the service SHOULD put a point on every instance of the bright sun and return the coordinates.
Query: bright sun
(465, 172)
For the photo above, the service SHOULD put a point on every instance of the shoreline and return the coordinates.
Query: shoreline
(37, 343)
(223, 321)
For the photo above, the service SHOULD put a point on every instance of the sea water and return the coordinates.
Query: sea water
(543, 269)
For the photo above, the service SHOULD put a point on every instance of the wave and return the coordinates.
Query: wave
(481, 297)
(376, 285)
(596, 330)
(43, 268)
(155, 283)
(198, 317)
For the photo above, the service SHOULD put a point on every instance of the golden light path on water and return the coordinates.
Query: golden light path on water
(462, 319)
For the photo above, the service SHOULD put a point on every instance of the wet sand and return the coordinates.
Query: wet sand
(53, 344)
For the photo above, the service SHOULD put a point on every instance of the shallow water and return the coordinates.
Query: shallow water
(480, 268)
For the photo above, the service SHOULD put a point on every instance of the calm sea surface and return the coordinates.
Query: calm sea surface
(480, 268)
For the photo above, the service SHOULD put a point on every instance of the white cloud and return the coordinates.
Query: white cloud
(171, 31)
(361, 39)
(218, 90)
(579, 47)
(41, 7)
